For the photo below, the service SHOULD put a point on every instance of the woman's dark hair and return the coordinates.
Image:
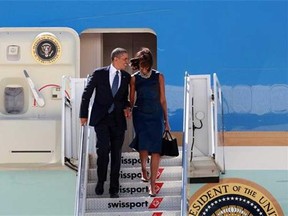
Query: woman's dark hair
(134, 63)
(143, 58)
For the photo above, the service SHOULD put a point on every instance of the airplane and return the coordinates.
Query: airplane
(225, 68)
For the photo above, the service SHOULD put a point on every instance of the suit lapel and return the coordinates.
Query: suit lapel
(107, 81)
(123, 79)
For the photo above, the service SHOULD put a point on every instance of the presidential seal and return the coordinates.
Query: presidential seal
(46, 48)
(233, 197)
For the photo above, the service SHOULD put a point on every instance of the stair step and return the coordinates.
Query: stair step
(129, 159)
(141, 213)
(134, 204)
(203, 170)
(134, 199)
(169, 173)
(138, 189)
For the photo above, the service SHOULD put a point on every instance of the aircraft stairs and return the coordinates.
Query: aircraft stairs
(193, 165)
(172, 180)
(134, 198)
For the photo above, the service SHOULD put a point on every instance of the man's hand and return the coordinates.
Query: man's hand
(83, 121)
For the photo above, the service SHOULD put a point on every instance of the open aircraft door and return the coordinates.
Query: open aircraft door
(32, 64)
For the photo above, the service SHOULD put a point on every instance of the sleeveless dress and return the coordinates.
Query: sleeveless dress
(148, 119)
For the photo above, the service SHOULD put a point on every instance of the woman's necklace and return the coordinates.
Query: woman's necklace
(146, 76)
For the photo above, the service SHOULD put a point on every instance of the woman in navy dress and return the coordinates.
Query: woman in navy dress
(150, 116)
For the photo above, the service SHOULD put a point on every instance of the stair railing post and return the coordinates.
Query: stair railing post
(184, 147)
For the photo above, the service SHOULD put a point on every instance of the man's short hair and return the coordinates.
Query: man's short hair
(117, 52)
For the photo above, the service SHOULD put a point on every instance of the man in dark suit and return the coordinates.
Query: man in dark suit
(108, 116)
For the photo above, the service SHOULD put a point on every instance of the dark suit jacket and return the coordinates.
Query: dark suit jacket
(99, 81)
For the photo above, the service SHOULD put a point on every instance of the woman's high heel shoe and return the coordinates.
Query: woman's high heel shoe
(145, 179)
(151, 194)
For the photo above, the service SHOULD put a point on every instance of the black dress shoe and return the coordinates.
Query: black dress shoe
(99, 190)
(114, 195)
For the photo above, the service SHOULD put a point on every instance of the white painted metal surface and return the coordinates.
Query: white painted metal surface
(31, 123)
(219, 148)
(199, 130)
(199, 111)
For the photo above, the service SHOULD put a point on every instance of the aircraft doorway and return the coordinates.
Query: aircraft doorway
(96, 46)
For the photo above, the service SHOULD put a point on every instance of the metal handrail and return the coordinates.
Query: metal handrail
(82, 174)
(63, 119)
(80, 198)
(184, 153)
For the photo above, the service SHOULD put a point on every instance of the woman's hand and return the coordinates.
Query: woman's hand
(128, 112)
(167, 126)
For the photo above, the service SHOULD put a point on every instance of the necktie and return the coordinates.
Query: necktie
(115, 83)
(114, 89)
